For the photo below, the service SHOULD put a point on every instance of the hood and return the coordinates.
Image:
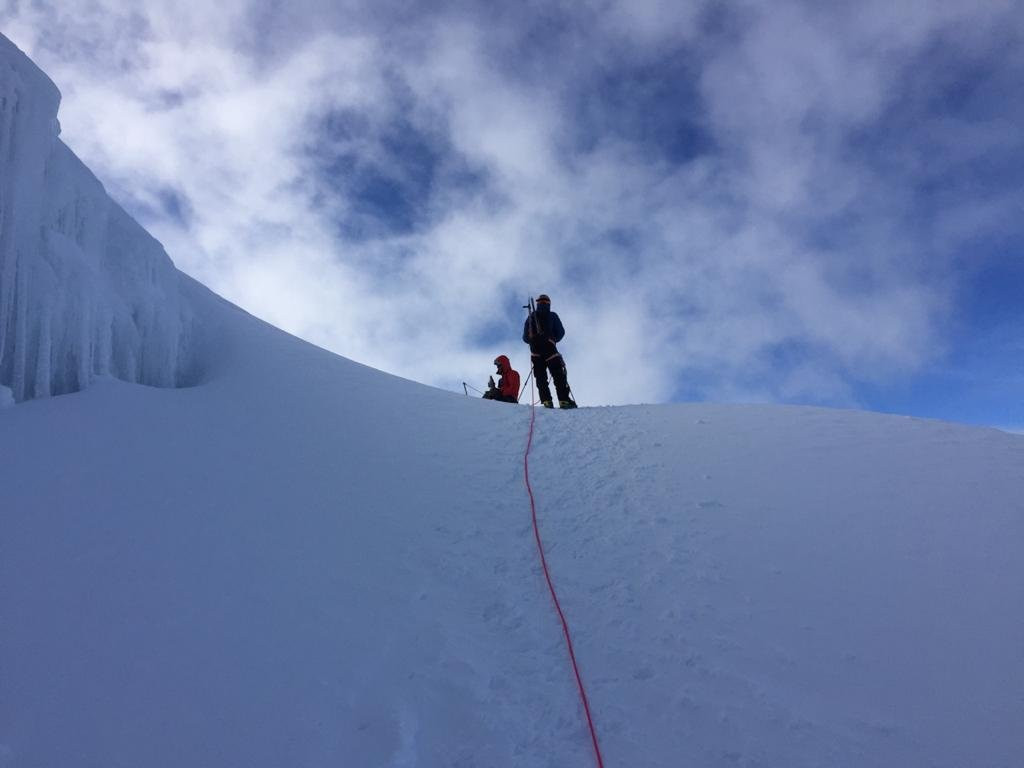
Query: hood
(504, 362)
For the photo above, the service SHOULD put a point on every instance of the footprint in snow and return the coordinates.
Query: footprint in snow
(644, 673)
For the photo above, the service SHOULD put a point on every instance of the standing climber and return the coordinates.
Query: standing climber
(507, 389)
(542, 331)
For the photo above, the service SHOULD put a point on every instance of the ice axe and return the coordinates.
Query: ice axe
(532, 306)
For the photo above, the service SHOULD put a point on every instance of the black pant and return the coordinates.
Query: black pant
(556, 365)
(494, 394)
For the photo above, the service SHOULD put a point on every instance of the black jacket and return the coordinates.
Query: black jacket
(542, 330)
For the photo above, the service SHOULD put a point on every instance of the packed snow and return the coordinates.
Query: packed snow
(303, 561)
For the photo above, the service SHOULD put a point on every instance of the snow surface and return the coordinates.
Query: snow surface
(305, 562)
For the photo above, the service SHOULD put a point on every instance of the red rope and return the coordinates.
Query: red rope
(551, 588)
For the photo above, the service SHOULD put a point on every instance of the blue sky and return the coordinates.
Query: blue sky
(745, 201)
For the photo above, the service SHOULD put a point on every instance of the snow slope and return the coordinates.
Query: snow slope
(301, 561)
(307, 562)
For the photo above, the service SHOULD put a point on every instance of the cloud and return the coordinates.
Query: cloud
(713, 195)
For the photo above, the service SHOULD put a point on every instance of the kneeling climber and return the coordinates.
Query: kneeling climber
(542, 331)
(507, 389)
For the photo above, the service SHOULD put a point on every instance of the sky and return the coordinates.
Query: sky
(799, 202)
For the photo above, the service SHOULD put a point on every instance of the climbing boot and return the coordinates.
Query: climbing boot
(566, 404)
(547, 403)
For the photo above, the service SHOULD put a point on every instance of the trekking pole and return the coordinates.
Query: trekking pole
(464, 385)
(470, 386)
(524, 385)
(566, 369)
(534, 332)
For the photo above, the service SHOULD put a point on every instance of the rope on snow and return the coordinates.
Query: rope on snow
(551, 587)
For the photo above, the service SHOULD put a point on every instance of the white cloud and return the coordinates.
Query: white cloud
(719, 273)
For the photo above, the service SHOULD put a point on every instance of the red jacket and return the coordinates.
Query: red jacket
(508, 384)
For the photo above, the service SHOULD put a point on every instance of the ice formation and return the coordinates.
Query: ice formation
(85, 291)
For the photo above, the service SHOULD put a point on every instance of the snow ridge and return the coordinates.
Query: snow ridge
(85, 291)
